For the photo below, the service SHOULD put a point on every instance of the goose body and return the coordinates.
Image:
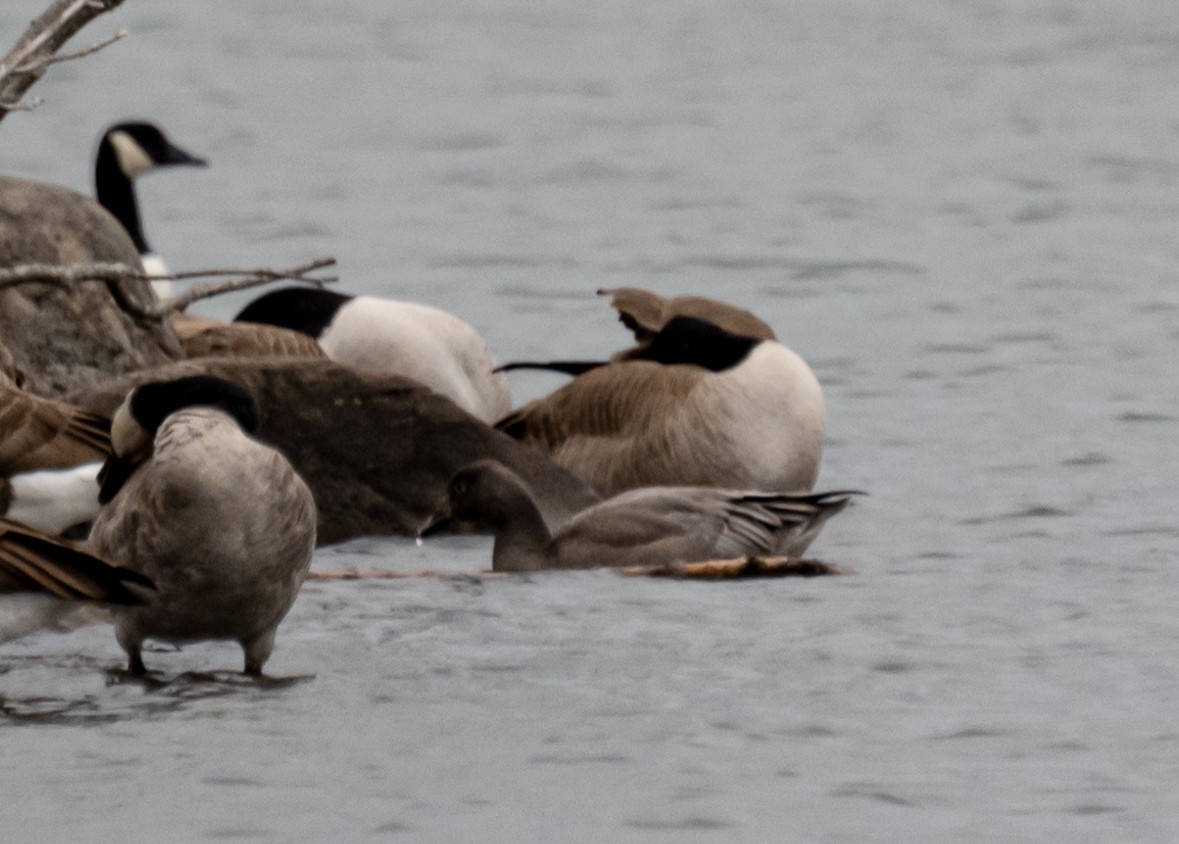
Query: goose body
(219, 521)
(206, 338)
(697, 406)
(651, 526)
(431, 346)
(376, 449)
(125, 152)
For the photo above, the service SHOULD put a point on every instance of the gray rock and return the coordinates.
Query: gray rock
(66, 337)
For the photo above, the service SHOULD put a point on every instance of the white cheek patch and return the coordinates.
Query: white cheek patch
(132, 159)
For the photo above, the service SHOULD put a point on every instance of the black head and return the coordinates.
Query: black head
(152, 403)
(690, 340)
(139, 146)
(306, 309)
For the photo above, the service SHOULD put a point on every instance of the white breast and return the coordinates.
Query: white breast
(432, 347)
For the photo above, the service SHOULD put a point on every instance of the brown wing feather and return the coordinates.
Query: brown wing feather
(33, 562)
(249, 340)
(645, 313)
(612, 400)
(40, 433)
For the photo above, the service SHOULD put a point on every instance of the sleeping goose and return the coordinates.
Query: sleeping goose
(697, 405)
(125, 152)
(651, 526)
(219, 521)
(42, 579)
(426, 344)
(50, 454)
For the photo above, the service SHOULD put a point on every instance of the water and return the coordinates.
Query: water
(962, 214)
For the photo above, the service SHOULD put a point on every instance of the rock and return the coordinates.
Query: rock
(66, 337)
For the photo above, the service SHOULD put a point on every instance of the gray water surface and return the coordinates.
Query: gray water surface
(962, 214)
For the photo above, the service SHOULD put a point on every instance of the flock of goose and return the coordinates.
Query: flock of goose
(198, 483)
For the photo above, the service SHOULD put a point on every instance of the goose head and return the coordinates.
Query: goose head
(125, 152)
(139, 417)
(484, 494)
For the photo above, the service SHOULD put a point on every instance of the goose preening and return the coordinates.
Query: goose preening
(125, 152)
(643, 527)
(50, 454)
(695, 405)
(377, 450)
(217, 520)
(42, 579)
(429, 345)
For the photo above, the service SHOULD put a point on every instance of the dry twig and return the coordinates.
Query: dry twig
(739, 568)
(112, 274)
(27, 61)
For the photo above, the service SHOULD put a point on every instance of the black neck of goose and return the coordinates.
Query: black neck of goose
(694, 341)
(116, 194)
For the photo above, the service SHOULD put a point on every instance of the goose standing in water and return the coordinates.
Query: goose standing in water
(125, 152)
(697, 405)
(429, 345)
(219, 521)
(651, 526)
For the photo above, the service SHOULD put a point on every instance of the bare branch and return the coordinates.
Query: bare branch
(64, 274)
(113, 273)
(254, 278)
(69, 57)
(26, 62)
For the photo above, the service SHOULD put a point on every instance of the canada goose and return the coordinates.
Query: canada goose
(50, 454)
(426, 344)
(650, 526)
(377, 450)
(219, 521)
(696, 405)
(125, 152)
(48, 574)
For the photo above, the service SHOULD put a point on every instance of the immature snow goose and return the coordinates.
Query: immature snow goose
(650, 526)
(426, 344)
(125, 152)
(220, 522)
(42, 579)
(697, 405)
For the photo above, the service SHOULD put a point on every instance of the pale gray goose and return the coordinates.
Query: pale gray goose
(644, 527)
(696, 405)
(219, 521)
(431, 346)
(377, 450)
